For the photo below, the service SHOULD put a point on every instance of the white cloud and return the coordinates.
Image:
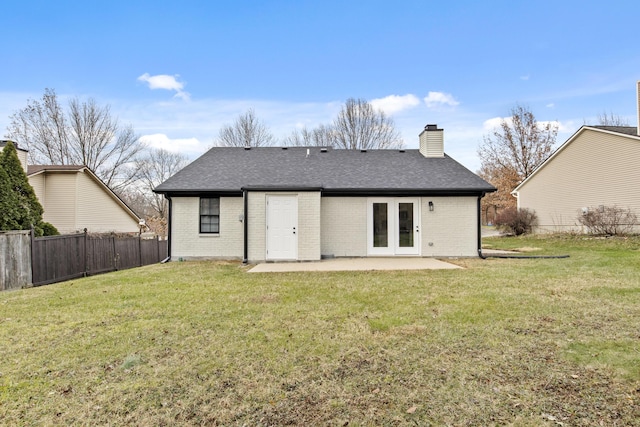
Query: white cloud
(395, 103)
(526, 77)
(179, 145)
(496, 122)
(440, 99)
(167, 82)
(550, 105)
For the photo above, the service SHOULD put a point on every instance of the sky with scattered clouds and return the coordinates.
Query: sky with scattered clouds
(179, 71)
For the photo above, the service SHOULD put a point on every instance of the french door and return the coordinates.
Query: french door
(393, 226)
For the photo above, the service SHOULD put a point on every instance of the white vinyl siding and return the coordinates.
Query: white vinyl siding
(97, 210)
(595, 168)
(73, 201)
(60, 206)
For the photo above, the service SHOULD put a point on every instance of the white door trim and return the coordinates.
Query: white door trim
(415, 227)
(393, 224)
(282, 227)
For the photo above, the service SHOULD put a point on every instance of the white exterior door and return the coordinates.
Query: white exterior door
(282, 227)
(393, 226)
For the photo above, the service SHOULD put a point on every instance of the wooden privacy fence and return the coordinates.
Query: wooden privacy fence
(58, 258)
(15, 260)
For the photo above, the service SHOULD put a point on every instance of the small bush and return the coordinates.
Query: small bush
(48, 229)
(516, 221)
(608, 220)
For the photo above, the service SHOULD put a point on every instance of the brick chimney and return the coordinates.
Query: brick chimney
(432, 141)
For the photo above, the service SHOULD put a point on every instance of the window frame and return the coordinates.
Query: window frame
(208, 215)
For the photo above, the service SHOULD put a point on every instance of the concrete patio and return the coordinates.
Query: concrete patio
(355, 264)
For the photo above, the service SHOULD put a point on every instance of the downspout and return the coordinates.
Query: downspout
(168, 258)
(245, 195)
(480, 254)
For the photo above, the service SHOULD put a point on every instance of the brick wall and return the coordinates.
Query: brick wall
(188, 243)
(451, 229)
(309, 226)
(344, 226)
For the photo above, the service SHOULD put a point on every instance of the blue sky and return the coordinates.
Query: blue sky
(178, 71)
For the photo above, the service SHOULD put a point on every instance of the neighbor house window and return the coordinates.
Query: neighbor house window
(210, 215)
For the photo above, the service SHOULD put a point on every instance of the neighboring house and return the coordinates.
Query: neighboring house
(308, 203)
(74, 198)
(598, 166)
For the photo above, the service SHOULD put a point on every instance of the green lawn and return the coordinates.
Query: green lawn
(502, 342)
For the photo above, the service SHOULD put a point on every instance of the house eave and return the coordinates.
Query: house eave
(335, 192)
(373, 192)
(199, 193)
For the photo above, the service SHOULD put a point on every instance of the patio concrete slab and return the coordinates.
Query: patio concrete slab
(355, 264)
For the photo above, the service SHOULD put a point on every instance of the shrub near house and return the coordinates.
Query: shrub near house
(516, 221)
(608, 220)
(21, 209)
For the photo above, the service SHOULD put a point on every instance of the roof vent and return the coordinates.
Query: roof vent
(363, 150)
(247, 148)
(284, 148)
(323, 150)
(401, 151)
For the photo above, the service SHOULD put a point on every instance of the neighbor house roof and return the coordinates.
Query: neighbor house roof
(336, 171)
(627, 130)
(34, 169)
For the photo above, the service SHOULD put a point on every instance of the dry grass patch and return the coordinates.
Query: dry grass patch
(504, 342)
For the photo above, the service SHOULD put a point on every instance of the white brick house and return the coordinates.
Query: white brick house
(306, 203)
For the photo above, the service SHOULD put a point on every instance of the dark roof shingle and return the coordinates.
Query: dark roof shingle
(224, 169)
(627, 130)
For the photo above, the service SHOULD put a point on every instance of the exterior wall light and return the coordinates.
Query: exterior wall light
(430, 205)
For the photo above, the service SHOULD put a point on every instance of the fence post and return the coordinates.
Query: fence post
(32, 238)
(86, 254)
(140, 249)
(115, 253)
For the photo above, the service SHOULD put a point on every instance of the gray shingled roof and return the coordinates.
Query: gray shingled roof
(224, 169)
(627, 130)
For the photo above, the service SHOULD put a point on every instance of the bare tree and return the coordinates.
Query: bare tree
(86, 134)
(321, 136)
(513, 151)
(521, 143)
(154, 168)
(611, 119)
(246, 131)
(360, 126)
